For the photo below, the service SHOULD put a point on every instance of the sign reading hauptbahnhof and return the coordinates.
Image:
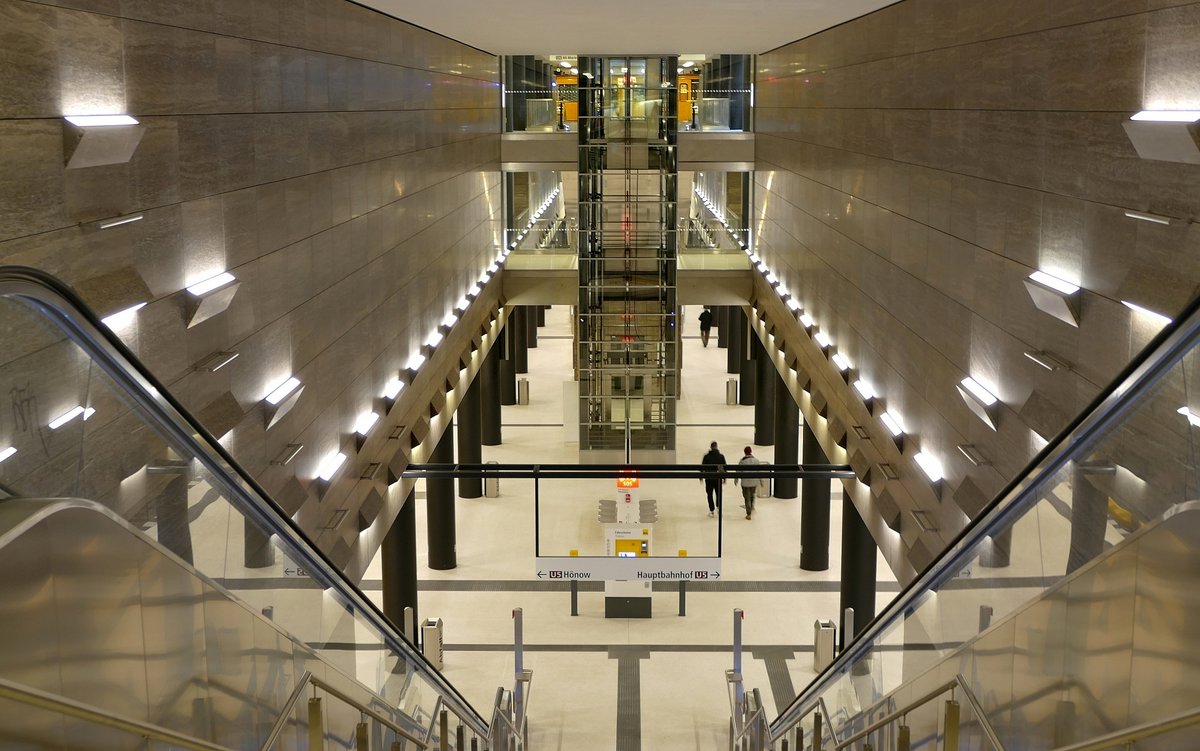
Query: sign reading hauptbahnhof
(611, 568)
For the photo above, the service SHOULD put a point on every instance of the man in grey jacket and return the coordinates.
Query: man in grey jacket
(750, 485)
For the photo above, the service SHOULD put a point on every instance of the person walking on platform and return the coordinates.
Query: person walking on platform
(713, 483)
(750, 485)
(705, 325)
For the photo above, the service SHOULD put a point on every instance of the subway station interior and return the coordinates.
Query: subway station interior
(367, 362)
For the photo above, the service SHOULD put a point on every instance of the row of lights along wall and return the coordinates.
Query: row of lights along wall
(1155, 135)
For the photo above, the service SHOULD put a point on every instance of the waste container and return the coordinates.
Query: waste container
(431, 641)
(731, 392)
(522, 391)
(491, 484)
(824, 637)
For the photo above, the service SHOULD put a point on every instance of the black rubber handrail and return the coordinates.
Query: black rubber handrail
(1135, 379)
(63, 306)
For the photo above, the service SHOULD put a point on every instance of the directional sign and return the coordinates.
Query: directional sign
(605, 568)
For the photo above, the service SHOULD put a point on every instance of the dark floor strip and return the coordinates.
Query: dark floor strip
(778, 675)
(629, 696)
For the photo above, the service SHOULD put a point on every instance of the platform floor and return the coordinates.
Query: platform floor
(655, 683)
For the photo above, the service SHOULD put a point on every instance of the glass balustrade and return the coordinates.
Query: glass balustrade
(1067, 610)
(90, 424)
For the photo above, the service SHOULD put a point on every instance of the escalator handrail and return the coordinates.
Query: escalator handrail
(63, 306)
(1162, 353)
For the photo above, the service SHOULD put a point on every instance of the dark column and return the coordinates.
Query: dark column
(508, 366)
(787, 437)
(469, 416)
(531, 325)
(400, 565)
(541, 314)
(765, 377)
(439, 499)
(171, 515)
(748, 355)
(814, 510)
(520, 338)
(737, 330)
(858, 569)
(489, 397)
(1089, 514)
(721, 321)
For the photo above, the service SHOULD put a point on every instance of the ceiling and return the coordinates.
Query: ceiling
(626, 27)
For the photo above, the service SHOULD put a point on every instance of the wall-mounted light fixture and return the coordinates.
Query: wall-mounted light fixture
(972, 454)
(280, 400)
(1048, 361)
(286, 456)
(979, 400)
(822, 339)
(841, 363)
(931, 466)
(449, 321)
(1146, 217)
(8, 452)
(894, 425)
(1192, 417)
(865, 392)
(392, 389)
(1054, 296)
(210, 297)
(807, 321)
(1158, 318)
(98, 140)
(362, 426)
(216, 361)
(122, 318)
(415, 361)
(70, 415)
(1165, 135)
(117, 221)
(793, 305)
(329, 465)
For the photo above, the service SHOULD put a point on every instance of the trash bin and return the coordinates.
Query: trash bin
(522, 391)
(731, 392)
(491, 484)
(431, 641)
(824, 637)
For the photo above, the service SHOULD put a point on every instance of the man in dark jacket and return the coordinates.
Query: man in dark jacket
(712, 485)
(706, 318)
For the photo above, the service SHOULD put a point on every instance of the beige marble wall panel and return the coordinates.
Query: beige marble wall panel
(336, 161)
(916, 179)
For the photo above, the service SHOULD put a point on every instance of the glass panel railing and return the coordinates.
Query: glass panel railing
(92, 423)
(1051, 607)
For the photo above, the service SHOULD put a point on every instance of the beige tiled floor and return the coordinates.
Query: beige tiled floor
(682, 682)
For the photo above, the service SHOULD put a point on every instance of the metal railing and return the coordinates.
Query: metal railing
(53, 302)
(62, 705)
(1155, 383)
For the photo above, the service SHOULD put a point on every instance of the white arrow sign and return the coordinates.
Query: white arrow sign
(606, 568)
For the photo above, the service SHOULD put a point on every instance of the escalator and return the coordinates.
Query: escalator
(1064, 616)
(152, 615)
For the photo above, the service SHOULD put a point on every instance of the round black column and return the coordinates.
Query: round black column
(400, 564)
(765, 377)
(489, 398)
(858, 570)
(814, 510)
(787, 437)
(469, 416)
(439, 500)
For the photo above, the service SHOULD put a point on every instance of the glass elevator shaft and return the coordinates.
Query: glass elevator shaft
(628, 337)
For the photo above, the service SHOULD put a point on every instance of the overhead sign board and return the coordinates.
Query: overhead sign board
(612, 568)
